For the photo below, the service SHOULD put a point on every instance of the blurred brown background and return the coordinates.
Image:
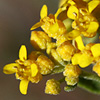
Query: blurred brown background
(16, 19)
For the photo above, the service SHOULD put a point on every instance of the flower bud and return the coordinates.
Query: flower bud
(39, 39)
(52, 87)
(96, 68)
(45, 64)
(66, 50)
(72, 71)
(56, 58)
(71, 80)
(34, 55)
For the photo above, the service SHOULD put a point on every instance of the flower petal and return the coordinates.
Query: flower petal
(85, 60)
(23, 53)
(58, 12)
(39, 24)
(44, 12)
(93, 27)
(54, 28)
(23, 86)
(72, 12)
(34, 69)
(73, 34)
(79, 42)
(96, 50)
(93, 4)
(10, 68)
(75, 58)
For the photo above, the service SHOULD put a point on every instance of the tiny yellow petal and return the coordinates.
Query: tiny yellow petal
(10, 68)
(58, 12)
(93, 4)
(75, 58)
(23, 86)
(34, 69)
(73, 34)
(23, 53)
(72, 12)
(39, 24)
(85, 60)
(96, 50)
(44, 12)
(93, 27)
(54, 28)
(79, 42)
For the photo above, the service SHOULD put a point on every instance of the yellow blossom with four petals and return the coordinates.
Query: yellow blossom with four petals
(26, 70)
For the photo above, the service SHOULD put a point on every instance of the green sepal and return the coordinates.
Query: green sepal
(89, 82)
(87, 40)
(58, 69)
(70, 88)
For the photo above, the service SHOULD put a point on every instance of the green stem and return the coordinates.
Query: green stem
(62, 80)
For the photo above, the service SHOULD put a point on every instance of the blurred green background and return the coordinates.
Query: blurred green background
(16, 19)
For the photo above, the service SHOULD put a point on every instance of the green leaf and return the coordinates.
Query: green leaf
(89, 82)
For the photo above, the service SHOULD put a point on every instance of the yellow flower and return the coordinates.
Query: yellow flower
(72, 7)
(84, 57)
(52, 87)
(86, 22)
(50, 24)
(26, 70)
(80, 11)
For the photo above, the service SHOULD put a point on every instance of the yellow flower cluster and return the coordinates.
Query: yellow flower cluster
(89, 54)
(30, 69)
(61, 39)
